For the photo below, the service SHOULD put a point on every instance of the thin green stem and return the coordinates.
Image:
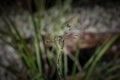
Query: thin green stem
(98, 57)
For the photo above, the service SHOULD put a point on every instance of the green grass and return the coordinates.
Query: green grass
(34, 66)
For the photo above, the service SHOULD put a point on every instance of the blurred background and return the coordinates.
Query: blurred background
(25, 23)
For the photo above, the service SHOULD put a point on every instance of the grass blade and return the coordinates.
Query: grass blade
(98, 57)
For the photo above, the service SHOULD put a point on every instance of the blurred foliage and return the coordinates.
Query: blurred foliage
(34, 65)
